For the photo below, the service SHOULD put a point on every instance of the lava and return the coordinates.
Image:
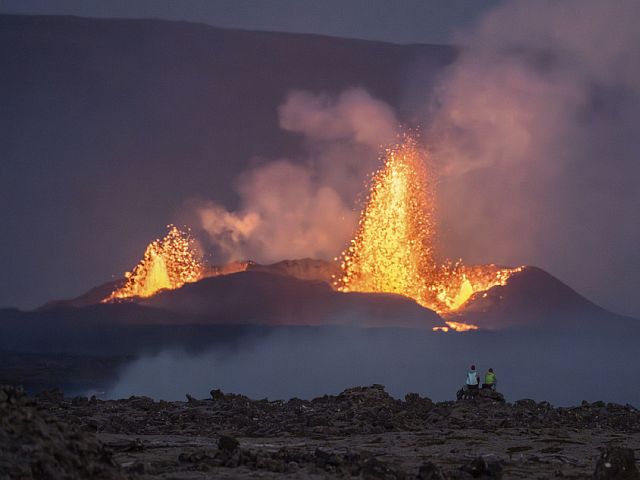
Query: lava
(393, 249)
(167, 264)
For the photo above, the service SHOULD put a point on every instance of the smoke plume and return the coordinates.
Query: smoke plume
(292, 208)
(535, 129)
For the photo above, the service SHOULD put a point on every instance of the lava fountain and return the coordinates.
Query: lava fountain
(167, 264)
(393, 249)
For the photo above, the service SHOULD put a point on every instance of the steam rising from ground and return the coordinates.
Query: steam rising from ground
(536, 131)
(312, 362)
(305, 209)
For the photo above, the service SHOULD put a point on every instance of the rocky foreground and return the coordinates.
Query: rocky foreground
(361, 432)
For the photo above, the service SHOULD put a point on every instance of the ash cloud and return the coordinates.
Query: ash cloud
(293, 208)
(535, 128)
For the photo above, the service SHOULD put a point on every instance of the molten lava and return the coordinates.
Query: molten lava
(393, 249)
(168, 263)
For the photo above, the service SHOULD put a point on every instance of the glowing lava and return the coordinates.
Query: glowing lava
(393, 249)
(168, 263)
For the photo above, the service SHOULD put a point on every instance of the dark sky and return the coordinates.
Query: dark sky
(408, 21)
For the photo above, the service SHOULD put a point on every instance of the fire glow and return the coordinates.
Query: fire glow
(167, 264)
(393, 249)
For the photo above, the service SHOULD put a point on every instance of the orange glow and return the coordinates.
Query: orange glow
(168, 263)
(393, 249)
(456, 326)
(460, 326)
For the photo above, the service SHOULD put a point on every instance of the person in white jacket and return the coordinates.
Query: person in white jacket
(473, 379)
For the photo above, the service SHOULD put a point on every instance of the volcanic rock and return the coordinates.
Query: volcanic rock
(616, 464)
(50, 396)
(480, 468)
(430, 471)
(228, 443)
(363, 431)
(35, 445)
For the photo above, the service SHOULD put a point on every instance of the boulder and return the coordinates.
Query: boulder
(34, 445)
(616, 463)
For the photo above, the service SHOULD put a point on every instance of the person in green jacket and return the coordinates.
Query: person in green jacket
(490, 380)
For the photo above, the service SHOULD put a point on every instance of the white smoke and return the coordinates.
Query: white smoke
(354, 116)
(305, 209)
(536, 130)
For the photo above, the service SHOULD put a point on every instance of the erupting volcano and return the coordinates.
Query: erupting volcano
(167, 264)
(393, 249)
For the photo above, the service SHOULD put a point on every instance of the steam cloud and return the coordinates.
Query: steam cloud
(312, 362)
(305, 209)
(536, 130)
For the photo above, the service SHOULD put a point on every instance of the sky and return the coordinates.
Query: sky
(406, 21)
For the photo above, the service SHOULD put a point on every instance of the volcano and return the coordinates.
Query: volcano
(300, 292)
(245, 298)
(535, 300)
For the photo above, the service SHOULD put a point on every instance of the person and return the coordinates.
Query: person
(490, 380)
(470, 389)
(472, 379)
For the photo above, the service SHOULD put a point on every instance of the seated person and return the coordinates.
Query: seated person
(473, 380)
(490, 380)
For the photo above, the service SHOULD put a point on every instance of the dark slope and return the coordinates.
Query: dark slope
(114, 329)
(108, 126)
(193, 316)
(534, 298)
(299, 292)
(92, 297)
(259, 297)
(302, 269)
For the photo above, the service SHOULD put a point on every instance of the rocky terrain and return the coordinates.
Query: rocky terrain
(361, 432)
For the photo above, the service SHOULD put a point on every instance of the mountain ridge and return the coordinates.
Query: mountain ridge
(301, 292)
(82, 18)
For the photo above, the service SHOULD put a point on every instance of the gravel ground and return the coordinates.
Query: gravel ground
(362, 432)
